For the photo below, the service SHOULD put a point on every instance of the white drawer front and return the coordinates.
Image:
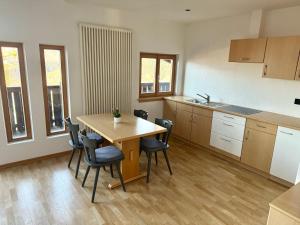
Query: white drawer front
(286, 156)
(230, 118)
(228, 129)
(226, 144)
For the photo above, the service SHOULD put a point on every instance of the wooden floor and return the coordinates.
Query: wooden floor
(203, 190)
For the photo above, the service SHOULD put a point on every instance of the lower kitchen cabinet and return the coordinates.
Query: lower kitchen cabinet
(201, 128)
(258, 149)
(226, 144)
(227, 133)
(286, 157)
(183, 122)
(170, 110)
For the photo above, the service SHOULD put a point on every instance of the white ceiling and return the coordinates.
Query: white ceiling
(201, 9)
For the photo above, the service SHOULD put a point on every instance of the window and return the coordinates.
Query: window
(14, 92)
(157, 75)
(55, 88)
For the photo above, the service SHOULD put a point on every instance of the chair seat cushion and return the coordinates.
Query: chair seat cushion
(91, 136)
(94, 136)
(152, 144)
(108, 154)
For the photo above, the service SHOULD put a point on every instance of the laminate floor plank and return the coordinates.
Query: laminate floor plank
(204, 189)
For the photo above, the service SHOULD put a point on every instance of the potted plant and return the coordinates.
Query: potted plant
(117, 115)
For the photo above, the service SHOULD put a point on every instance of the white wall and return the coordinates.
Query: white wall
(55, 22)
(208, 70)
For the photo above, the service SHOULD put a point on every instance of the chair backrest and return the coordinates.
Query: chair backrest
(73, 130)
(168, 124)
(90, 146)
(141, 113)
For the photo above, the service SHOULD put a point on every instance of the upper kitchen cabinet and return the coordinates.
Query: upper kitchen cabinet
(282, 58)
(248, 50)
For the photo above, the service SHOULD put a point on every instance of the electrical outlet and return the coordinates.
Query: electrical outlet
(297, 101)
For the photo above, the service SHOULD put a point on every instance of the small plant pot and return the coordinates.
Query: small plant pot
(117, 119)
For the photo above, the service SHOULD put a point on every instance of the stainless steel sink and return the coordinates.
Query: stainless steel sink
(208, 104)
(193, 100)
(213, 104)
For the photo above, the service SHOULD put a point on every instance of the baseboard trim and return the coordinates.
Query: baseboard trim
(29, 161)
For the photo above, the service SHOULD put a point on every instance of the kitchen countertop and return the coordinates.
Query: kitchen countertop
(289, 202)
(268, 117)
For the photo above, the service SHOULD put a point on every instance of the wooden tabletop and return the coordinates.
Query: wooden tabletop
(130, 127)
(289, 202)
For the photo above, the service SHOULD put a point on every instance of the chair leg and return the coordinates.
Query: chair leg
(167, 160)
(78, 163)
(111, 170)
(156, 158)
(121, 177)
(95, 184)
(149, 154)
(73, 151)
(85, 176)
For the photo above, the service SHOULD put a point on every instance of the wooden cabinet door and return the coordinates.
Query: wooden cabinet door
(281, 58)
(248, 50)
(201, 129)
(258, 149)
(183, 124)
(169, 112)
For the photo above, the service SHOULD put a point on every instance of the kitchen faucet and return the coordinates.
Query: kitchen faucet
(207, 97)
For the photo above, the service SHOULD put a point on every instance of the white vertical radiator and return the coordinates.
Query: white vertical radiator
(106, 67)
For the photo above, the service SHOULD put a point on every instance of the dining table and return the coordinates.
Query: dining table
(125, 135)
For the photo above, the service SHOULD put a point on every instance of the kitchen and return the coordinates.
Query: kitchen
(220, 78)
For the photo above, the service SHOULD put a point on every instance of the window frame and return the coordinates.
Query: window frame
(157, 94)
(43, 47)
(25, 99)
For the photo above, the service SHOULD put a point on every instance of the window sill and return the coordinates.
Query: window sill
(23, 141)
(151, 99)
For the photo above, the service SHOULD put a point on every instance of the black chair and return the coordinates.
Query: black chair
(159, 143)
(141, 113)
(99, 157)
(76, 142)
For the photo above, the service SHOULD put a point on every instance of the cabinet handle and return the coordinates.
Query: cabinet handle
(226, 124)
(247, 135)
(265, 70)
(223, 139)
(287, 133)
(258, 125)
(229, 117)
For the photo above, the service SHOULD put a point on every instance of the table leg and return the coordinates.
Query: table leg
(130, 168)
